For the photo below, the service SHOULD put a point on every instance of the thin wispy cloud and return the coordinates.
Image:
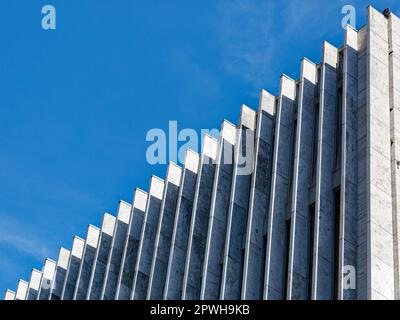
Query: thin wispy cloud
(256, 36)
(313, 17)
(11, 269)
(20, 236)
(245, 28)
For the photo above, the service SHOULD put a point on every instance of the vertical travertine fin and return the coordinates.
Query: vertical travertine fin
(349, 164)
(147, 239)
(86, 266)
(74, 263)
(59, 274)
(129, 256)
(180, 236)
(362, 172)
(234, 251)
(205, 224)
(100, 261)
(199, 221)
(394, 87)
(380, 269)
(117, 247)
(257, 220)
(277, 243)
(159, 263)
(47, 280)
(34, 285)
(299, 249)
(323, 262)
(218, 216)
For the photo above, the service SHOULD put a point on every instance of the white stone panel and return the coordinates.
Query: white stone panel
(93, 235)
(248, 117)
(377, 22)
(140, 199)
(77, 247)
(308, 70)
(267, 102)
(22, 289)
(362, 39)
(124, 211)
(210, 147)
(34, 282)
(108, 224)
(10, 295)
(49, 269)
(228, 132)
(330, 54)
(381, 244)
(63, 258)
(156, 187)
(351, 37)
(381, 280)
(192, 160)
(174, 174)
(288, 87)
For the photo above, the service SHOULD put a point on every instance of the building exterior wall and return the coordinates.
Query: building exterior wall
(317, 216)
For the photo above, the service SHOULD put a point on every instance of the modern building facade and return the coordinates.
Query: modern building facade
(315, 217)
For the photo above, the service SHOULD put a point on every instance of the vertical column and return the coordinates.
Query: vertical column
(164, 233)
(299, 266)
(74, 263)
(199, 223)
(394, 87)
(362, 172)
(117, 247)
(257, 220)
(46, 282)
(34, 285)
(218, 217)
(59, 274)
(233, 259)
(323, 283)
(86, 266)
(147, 239)
(277, 244)
(129, 257)
(9, 295)
(349, 166)
(102, 254)
(379, 208)
(179, 243)
(22, 289)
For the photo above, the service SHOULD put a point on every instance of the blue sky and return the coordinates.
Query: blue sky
(76, 103)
